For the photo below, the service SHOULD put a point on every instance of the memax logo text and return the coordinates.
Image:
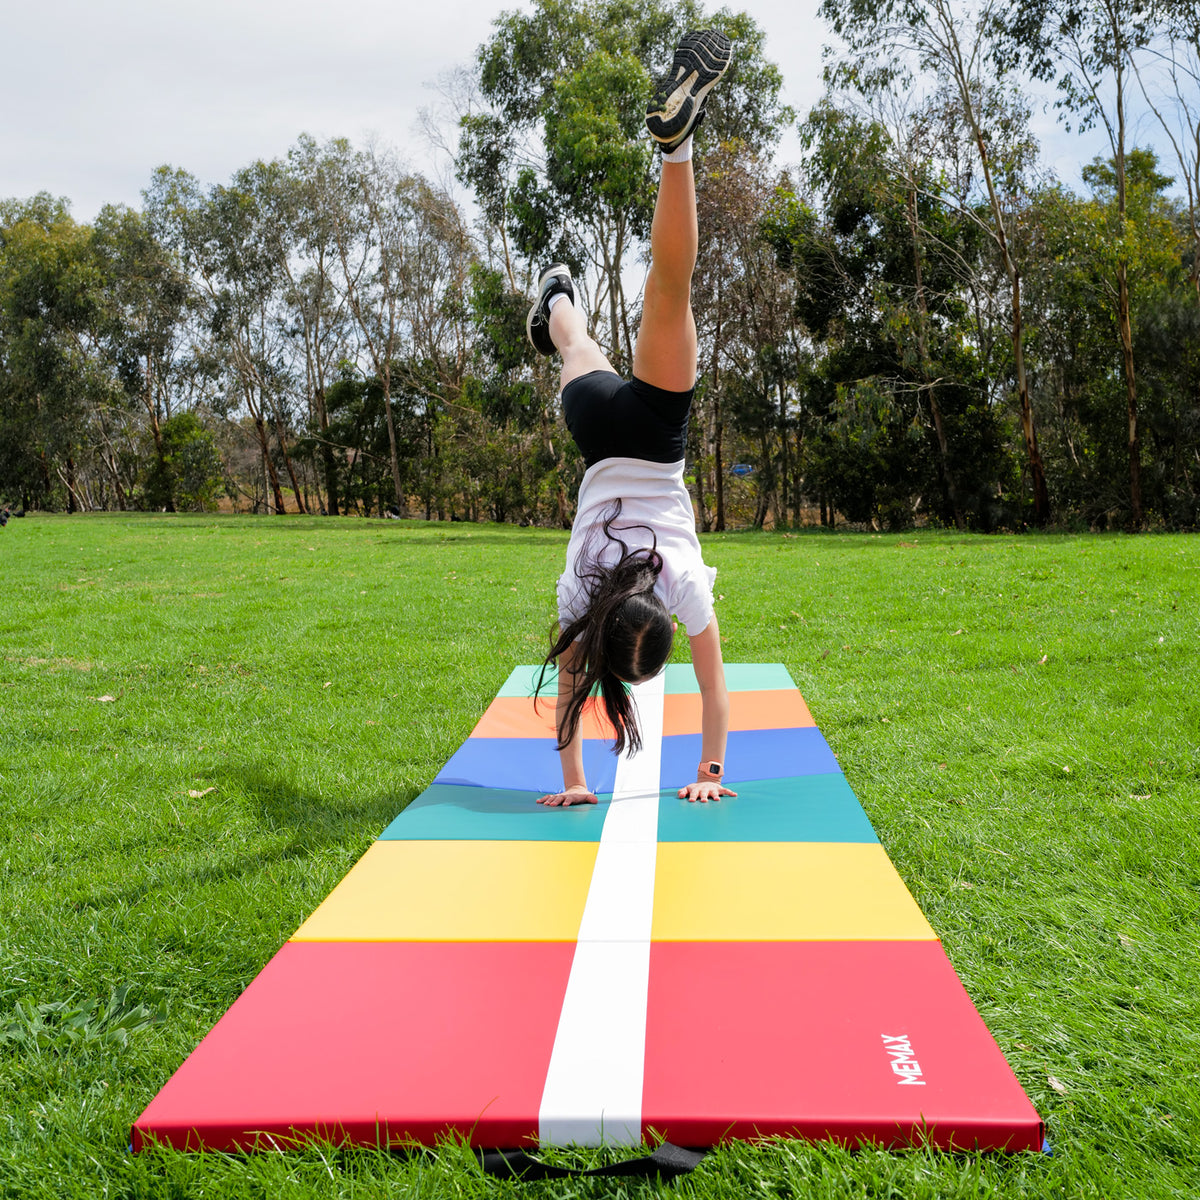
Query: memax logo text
(904, 1061)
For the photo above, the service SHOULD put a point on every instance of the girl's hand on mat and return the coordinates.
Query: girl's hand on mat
(704, 791)
(575, 794)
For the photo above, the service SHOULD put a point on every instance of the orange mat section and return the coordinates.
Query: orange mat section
(516, 716)
(747, 710)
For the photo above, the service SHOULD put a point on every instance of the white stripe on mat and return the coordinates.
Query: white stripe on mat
(593, 1091)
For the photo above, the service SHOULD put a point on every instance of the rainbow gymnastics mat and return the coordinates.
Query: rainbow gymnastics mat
(641, 968)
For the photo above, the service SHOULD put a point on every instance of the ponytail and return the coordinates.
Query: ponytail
(624, 636)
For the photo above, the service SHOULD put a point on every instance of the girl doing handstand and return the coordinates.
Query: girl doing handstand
(633, 558)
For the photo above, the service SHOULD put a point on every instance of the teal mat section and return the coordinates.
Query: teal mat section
(739, 677)
(681, 679)
(809, 808)
(522, 681)
(455, 812)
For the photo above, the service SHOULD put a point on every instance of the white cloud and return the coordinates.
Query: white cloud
(96, 96)
(93, 97)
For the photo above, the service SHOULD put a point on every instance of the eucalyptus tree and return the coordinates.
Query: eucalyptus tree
(262, 196)
(321, 317)
(900, 166)
(506, 386)
(1163, 272)
(52, 369)
(145, 298)
(895, 401)
(358, 426)
(1169, 80)
(436, 274)
(556, 153)
(1073, 302)
(226, 247)
(949, 283)
(371, 222)
(750, 341)
(1089, 48)
(889, 45)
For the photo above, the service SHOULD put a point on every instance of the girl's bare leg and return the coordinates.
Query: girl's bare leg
(665, 354)
(580, 354)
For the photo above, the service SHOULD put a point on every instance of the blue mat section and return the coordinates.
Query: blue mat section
(526, 765)
(752, 754)
(532, 764)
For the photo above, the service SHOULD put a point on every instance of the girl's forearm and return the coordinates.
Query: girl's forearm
(571, 755)
(572, 766)
(714, 695)
(714, 722)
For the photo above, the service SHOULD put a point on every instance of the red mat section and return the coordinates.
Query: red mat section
(855, 1041)
(373, 1042)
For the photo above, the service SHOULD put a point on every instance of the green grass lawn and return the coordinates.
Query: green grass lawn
(205, 721)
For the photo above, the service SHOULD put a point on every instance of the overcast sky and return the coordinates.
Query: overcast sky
(94, 96)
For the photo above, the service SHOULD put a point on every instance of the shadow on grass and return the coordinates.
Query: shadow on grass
(283, 804)
(300, 824)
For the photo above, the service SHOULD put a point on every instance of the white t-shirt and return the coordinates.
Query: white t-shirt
(651, 494)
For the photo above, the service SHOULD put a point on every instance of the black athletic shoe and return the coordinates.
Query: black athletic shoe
(555, 279)
(677, 106)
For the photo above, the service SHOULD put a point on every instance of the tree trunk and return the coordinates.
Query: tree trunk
(117, 484)
(763, 502)
(1041, 496)
(1037, 471)
(717, 440)
(328, 458)
(950, 491)
(719, 460)
(1124, 322)
(316, 368)
(304, 491)
(260, 428)
(1131, 403)
(287, 458)
(393, 449)
(111, 463)
(614, 318)
(560, 494)
(156, 431)
(317, 390)
(699, 471)
(44, 463)
(109, 459)
(73, 504)
(785, 466)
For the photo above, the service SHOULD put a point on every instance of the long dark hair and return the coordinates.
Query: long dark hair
(624, 636)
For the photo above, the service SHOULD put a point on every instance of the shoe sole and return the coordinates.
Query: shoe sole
(700, 60)
(549, 273)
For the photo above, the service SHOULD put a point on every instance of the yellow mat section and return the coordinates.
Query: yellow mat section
(428, 891)
(782, 891)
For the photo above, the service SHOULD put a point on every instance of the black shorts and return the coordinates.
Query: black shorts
(611, 417)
